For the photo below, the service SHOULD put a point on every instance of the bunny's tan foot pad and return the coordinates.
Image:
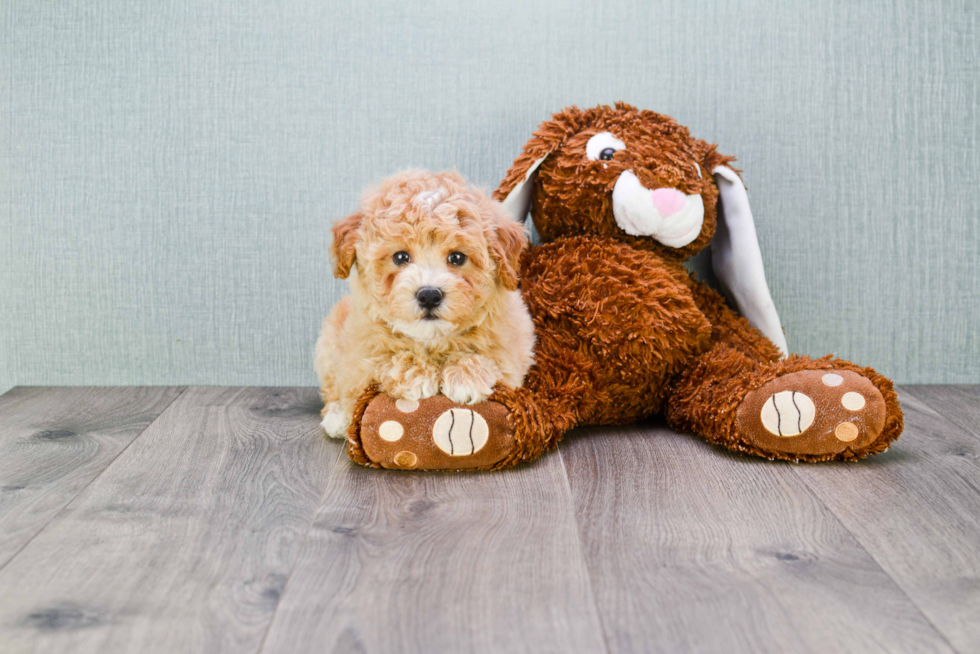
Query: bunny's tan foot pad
(817, 413)
(435, 434)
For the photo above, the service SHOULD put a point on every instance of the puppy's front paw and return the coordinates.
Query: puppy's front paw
(470, 380)
(417, 388)
(410, 381)
(463, 393)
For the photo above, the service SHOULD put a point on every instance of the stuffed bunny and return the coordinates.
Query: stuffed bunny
(621, 198)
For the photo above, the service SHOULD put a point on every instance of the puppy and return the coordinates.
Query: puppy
(434, 305)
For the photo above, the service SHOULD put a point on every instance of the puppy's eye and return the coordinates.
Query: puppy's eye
(603, 146)
(457, 258)
(401, 258)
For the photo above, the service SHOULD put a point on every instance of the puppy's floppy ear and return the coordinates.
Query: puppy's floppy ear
(342, 250)
(508, 241)
(516, 189)
(737, 259)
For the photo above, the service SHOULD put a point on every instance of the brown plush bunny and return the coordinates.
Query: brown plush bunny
(621, 197)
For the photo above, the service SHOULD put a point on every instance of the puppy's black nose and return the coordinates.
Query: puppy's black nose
(429, 297)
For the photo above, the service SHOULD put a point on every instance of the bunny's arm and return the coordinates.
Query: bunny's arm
(729, 327)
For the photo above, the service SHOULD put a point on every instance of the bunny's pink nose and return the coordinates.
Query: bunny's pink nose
(668, 201)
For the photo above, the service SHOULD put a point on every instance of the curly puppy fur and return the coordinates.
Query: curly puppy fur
(478, 334)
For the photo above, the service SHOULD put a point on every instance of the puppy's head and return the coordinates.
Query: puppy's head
(427, 254)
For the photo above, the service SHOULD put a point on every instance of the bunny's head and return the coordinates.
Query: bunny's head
(622, 172)
(640, 177)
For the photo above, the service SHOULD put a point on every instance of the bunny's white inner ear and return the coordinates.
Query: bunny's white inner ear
(518, 201)
(737, 259)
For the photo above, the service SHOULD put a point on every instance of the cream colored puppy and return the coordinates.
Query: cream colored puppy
(434, 305)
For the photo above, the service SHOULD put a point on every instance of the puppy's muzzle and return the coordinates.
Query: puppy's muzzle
(429, 298)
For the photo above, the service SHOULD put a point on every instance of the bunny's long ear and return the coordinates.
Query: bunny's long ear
(518, 200)
(737, 259)
(517, 187)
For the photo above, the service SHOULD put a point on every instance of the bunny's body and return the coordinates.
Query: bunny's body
(621, 198)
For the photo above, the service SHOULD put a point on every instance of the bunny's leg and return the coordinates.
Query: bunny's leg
(738, 394)
(510, 427)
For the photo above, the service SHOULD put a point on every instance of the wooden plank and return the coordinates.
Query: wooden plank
(693, 548)
(185, 542)
(958, 404)
(55, 441)
(916, 510)
(462, 562)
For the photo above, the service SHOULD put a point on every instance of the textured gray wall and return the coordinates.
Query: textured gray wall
(169, 170)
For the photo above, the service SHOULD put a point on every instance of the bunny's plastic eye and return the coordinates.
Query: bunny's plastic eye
(401, 258)
(602, 147)
(457, 258)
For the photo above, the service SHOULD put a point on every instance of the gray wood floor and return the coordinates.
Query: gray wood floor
(219, 520)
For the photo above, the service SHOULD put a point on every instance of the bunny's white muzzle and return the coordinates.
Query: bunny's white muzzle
(664, 214)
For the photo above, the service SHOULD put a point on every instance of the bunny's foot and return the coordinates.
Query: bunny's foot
(796, 409)
(823, 413)
(438, 434)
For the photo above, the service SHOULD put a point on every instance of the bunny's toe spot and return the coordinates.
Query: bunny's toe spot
(391, 431)
(832, 379)
(852, 401)
(846, 431)
(406, 406)
(406, 459)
